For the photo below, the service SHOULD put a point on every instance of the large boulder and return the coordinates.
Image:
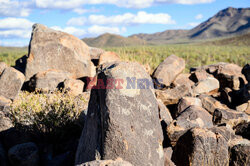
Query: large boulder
(201, 147)
(24, 154)
(168, 70)
(117, 162)
(193, 116)
(48, 81)
(74, 87)
(123, 119)
(207, 86)
(11, 82)
(50, 49)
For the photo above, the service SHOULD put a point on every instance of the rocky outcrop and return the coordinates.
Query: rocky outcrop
(168, 70)
(74, 87)
(48, 81)
(205, 148)
(50, 49)
(11, 82)
(185, 102)
(24, 154)
(119, 117)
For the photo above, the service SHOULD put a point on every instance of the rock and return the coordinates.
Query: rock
(5, 122)
(108, 57)
(241, 96)
(199, 75)
(172, 96)
(225, 131)
(2, 67)
(74, 87)
(208, 86)
(226, 96)
(183, 79)
(117, 162)
(3, 158)
(50, 49)
(95, 52)
(244, 108)
(147, 68)
(120, 116)
(21, 63)
(11, 82)
(229, 116)
(24, 154)
(243, 129)
(193, 116)
(168, 154)
(168, 70)
(164, 113)
(185, 102)
(48, 81)
(204, 148)
(210, 103)
(246, 72)
(239, 154)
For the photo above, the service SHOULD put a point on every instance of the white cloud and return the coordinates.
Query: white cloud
(185, 2)
(15, 23)
(14, 8)
(15, 33)
(193, 24)
(125, 19)
(71, 30)
(16, 43)
(199, 16)
(97, 30)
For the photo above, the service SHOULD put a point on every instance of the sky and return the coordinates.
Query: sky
(91, 18)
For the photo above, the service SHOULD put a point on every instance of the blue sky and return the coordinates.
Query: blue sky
(90, 18)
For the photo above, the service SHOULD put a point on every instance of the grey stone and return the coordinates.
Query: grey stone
(50, 49)
(122, 122)
(207, 86)
(2, 67)
(185, 102)
(164, 113)
(118, 162)
(239, 154)
(11, 82)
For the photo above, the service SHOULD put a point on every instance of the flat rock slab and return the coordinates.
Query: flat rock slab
(123, 120)
(11, 82)
(50, 49)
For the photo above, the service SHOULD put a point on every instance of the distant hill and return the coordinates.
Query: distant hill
(112, 40)
(241, 40)
(226, 23)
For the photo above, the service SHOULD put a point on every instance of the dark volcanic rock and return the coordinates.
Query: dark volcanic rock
(11, 82)
(201, 147)
(24, 154)
(246, 72)
(50, 49)
(193, 116)
(3, 156)
(168, 70)
(185, 102)
(243, 129)
(164, 113)
(122, 122)
(21, 63)
(239, 154)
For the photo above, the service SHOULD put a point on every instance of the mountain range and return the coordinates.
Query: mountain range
(226, 23)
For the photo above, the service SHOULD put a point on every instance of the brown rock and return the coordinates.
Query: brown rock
(119, 117)
(74, 87)
(108, 57)
(208, 86)
(168, 70)
(244, 107)
(204, 148)
(164, 113)
(168, 154)
(199, 75)
(193, 116)
(117, 162)
(185, 102)
(172, 96)
(48, 81)
(50, 49)
(243, 129)
(11, 82)
(2, 67)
